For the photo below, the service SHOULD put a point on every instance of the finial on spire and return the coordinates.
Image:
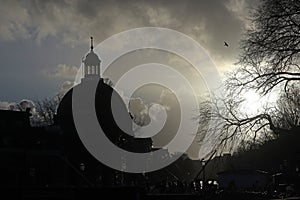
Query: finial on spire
(92, 47)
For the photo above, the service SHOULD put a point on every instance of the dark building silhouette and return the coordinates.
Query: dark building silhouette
(53, 156)
(13, 124)
(103, 101)
(74, 149)
(30, 156)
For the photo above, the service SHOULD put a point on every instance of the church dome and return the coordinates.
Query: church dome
(106, 119)
(91, 59)
(104, 112)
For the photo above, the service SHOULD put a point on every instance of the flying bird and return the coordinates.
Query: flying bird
(225, 44)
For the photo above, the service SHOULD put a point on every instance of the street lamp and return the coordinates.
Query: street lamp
(203, 172)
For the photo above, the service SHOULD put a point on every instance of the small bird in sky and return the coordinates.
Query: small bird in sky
(225, 44)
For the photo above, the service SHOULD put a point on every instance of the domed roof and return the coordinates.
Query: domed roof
(91, 59)
(103, 105)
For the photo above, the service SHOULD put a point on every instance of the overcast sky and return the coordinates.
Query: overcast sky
(42, 42)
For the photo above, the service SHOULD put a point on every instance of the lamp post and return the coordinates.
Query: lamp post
(203, 172)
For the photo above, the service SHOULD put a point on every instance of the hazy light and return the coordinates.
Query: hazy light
(254, 103)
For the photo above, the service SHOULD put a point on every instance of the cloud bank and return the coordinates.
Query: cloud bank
(208, 22)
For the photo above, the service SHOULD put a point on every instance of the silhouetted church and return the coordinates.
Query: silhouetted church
(75, 150)
(54, 155)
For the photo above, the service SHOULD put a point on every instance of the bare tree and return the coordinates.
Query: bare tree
(270, 49)
(226, 126)
(288, 109)
(269, 62)
(46, 110)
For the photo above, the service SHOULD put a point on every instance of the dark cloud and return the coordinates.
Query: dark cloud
(209, 22)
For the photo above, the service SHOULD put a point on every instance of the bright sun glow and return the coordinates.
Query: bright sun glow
(254, 103)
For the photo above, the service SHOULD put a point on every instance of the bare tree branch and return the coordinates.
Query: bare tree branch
(46, 110)
(270, 49)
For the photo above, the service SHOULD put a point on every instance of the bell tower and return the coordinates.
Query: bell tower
(91, 63)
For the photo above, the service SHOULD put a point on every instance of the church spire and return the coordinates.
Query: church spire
(92, 46)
